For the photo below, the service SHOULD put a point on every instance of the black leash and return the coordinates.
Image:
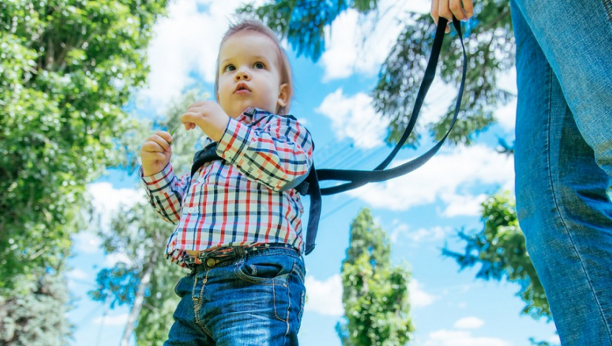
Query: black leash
(357, 178)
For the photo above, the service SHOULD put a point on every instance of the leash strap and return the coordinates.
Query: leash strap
(357, 178)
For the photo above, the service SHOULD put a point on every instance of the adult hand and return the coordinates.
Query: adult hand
(461, 9)
(208, 116)
(155, 153)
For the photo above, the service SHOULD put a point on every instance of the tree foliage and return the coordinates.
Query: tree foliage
(490, 49)
(66, 69)
(36, 318)
(375, 293)
(501, 252)
(146, 283)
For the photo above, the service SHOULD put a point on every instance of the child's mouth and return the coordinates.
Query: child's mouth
(242, 88)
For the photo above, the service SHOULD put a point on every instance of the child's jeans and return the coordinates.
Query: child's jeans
(241, 297)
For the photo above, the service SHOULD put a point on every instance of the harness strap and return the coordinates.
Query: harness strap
(357, 178)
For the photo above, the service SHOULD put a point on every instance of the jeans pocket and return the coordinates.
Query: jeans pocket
(177, 285)
(265, 269)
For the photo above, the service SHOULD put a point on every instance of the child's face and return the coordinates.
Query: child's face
(249, 74)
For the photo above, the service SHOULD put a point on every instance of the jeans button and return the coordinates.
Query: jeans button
(211, 262)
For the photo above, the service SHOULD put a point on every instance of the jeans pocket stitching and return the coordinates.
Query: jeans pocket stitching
(242, 275)
(274, 287)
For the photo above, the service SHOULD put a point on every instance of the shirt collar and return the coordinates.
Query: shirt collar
(252, 114)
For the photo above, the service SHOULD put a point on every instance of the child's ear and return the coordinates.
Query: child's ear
(283, 95)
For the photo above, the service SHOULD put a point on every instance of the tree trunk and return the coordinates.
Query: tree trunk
(135, 311)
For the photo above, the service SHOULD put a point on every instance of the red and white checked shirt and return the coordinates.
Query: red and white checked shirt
(238, 201)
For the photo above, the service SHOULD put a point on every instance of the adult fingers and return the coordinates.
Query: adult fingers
(468, 6)
(434, 10)
(450, 8)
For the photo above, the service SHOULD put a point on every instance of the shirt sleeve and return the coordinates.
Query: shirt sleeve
(275, 154)
(165, 192)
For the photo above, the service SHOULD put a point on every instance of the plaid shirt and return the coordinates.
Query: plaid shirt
(240, 200)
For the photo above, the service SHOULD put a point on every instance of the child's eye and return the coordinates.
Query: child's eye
(229, 67)
(259, 65)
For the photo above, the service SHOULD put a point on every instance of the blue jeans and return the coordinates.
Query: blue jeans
(241, 297)
(563, 158)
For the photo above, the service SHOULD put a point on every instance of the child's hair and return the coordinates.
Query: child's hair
(284, 67)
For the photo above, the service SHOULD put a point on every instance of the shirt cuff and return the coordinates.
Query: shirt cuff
(234, 140)
(159, 178)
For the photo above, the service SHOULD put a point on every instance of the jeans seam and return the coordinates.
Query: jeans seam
(608, 6)
(559, 214)
(198, 302)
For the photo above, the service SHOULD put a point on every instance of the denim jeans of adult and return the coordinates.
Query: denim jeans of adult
(245, 297)
(563, 158)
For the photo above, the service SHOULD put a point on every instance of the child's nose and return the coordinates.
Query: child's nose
(242, 75)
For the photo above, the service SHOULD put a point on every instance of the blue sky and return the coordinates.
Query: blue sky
(421, 212)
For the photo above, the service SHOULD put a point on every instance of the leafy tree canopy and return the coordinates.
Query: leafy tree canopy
(501, 252)
(66, 69)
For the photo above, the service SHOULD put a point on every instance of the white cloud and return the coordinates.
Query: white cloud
(460, 338)
(77, 274)
(418, 297)
(111, 259)
(186, 42)
(116, 320)
(107, 200)
(354, 118)
(462, 204)
(86, 242)
(506, 116)
(421, 234)
(324, 297)
(448, 176)
(358, 43)
(469, 323)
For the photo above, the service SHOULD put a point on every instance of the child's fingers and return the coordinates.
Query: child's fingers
(189, 120)
(165, 135)
(157, 143)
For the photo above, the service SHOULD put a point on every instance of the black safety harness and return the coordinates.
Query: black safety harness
(356, 178)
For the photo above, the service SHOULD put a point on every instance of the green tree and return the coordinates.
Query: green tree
(375, 295)
(501, 252)
(66, 69)
(36, 318)
(146, 284)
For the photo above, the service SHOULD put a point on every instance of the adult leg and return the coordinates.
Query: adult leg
(563, 158)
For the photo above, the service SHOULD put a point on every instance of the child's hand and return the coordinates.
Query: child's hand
(156, 152)
(208, 116)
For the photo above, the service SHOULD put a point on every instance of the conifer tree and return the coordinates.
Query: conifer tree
(375, 293)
